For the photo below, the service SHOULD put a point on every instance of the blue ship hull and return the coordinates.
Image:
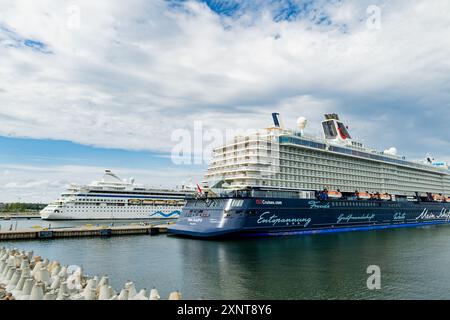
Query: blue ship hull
(223, 217)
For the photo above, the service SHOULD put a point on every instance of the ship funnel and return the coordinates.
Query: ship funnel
(334, 129)
(277, 120)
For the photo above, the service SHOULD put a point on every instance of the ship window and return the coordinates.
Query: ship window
(237, 203)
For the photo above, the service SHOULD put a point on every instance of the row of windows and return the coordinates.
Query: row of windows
(363, 204)
(349, 187)
(356, 180)
(129, 208)
(101, 199)
(102, 211)
(349, 166)
(347, 151)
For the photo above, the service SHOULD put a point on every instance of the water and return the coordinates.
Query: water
(414, 264)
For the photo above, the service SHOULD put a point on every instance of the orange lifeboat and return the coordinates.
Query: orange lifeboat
(438, 198)
(334, 194)
(385, 197)
(363, 195)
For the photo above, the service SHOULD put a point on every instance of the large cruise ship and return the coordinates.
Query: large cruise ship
(279, 182)
(113, 198)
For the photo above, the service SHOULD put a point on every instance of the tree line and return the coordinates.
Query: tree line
(21, 207)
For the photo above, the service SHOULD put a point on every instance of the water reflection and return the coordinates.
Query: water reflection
(320, 266)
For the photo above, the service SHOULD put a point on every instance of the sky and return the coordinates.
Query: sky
(108, 84)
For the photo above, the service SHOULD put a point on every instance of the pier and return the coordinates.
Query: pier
(82, 231)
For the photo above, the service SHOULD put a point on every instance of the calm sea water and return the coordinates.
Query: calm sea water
(414, 263)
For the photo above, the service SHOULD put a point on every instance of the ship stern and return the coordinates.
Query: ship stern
(208, 218)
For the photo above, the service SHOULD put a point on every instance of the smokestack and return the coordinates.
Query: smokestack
(276, 120)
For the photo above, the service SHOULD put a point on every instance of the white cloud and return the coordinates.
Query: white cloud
(134, 71)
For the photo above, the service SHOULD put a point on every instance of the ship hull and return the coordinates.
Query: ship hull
(279, 217)
(61, 214)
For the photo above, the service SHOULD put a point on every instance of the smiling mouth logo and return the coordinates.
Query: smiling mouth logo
(166, 215)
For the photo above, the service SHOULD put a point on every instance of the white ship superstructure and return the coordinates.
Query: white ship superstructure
(279, 158)
(112, 198)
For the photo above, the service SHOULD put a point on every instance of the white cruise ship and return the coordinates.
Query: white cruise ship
(112, 198)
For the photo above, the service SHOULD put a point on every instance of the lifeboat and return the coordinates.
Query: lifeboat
(334, 194)
(363, 195)
(438, 198)
(383, 196)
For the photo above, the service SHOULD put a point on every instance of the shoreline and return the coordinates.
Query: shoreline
(18, 215)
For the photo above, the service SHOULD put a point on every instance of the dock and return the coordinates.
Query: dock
(82, 231)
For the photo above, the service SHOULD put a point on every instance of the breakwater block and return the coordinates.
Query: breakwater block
(24, 276)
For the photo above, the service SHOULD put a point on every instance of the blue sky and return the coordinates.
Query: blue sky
(104, 84)
(48, 152)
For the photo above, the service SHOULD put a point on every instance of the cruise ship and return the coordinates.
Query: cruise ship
(279, 181)
(112, 198)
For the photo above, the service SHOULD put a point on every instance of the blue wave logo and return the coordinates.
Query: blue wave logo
(166, 215)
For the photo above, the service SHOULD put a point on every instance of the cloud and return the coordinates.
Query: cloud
(131, 73)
